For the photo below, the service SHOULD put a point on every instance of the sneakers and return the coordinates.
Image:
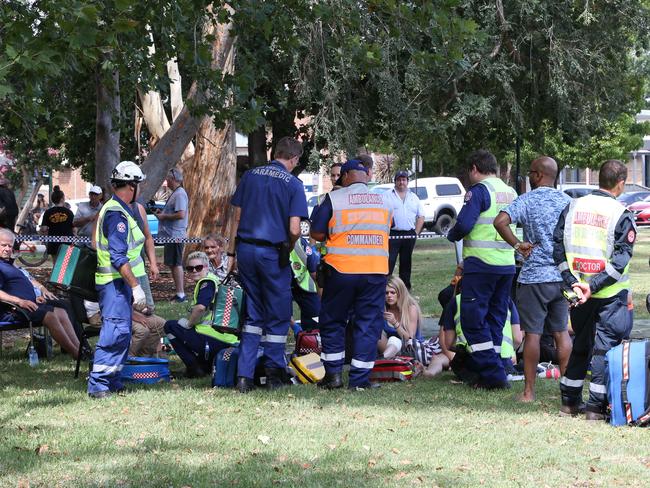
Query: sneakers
(548, 370)
(178, 299)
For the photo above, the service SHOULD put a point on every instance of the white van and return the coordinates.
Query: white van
(442, 197)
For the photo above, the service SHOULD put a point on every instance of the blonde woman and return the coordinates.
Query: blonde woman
(402, 334)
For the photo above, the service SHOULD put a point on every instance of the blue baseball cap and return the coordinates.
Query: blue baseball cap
(401, 174)
(353, 164)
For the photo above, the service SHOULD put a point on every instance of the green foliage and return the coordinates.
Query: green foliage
(441, 77)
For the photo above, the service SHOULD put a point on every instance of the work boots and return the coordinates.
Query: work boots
(572, 410)
(331, 381)
(245, 385)
(275, 378)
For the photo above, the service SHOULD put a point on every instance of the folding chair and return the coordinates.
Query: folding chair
(22, 322)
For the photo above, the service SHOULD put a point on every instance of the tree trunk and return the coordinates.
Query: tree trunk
(257, 147)
(210, 180)
(107, 134)
(210, 177)
(167, 153)
(30, 202)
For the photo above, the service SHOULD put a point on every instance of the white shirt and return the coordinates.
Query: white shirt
(405, 212)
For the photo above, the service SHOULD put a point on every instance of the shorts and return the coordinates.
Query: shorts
(173, 254)
(36, 316)
(542, 307)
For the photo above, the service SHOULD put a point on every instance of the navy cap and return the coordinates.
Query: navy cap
(401, 174)
(353, 164)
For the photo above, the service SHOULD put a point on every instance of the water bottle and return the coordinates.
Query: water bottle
(33, 356)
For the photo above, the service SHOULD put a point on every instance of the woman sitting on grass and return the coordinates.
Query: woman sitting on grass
(193, 338)
(402, 336)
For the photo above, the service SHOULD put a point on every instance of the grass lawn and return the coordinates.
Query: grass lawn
(425, 433)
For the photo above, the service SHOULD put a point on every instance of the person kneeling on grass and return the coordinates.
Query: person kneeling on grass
(402, 336)
(193, 338)
(462, 364)
(16, 289)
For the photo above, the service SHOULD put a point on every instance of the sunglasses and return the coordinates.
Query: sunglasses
(194, 269)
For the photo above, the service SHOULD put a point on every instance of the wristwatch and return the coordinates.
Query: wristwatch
(517, 246)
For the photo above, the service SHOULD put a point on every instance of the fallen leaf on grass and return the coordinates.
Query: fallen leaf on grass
(406, 462)
(367, 448)
(282, 458)
(264, 439)
(371, 463)
(396, 451)
(23, 483)
(306, 465)
(42, 449)
(332, 446)
(455, 382)
(400, 475)
(592, 469)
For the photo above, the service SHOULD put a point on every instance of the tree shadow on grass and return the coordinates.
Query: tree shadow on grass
(153, 462)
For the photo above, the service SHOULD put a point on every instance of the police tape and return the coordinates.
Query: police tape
(175, 240)
(86, 240)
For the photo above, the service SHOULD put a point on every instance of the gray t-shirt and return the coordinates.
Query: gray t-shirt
(174, 228)
(85, 210)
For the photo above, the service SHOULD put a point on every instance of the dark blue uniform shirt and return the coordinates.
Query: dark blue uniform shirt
(206, 294)
(477, 200)
(624, 237)
(14, 282)
(268, 196)
(321, 215)
(115, 228)
(313, 256)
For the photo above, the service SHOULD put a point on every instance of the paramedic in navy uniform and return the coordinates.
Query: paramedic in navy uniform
(489, 267)
(268, 205)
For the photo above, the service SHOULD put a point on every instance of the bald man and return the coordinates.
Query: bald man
(539, 291)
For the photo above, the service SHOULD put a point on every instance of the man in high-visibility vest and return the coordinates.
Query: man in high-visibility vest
(119, 243)
(356, 224)
(592, 247)
(489, 267)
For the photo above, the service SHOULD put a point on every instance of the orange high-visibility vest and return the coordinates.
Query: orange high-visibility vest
(358, 231)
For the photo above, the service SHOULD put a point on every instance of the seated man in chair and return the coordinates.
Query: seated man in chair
(16, 289)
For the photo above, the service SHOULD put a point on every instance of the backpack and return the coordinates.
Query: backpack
(389, 370)
(228, 312)
(145, 370)
(308, 342)
(628, 390)
(224, 371)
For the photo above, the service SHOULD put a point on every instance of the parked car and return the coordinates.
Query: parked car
(630, 197)
(577, 190)
(641, 211)
(382, 188)
(442, 198)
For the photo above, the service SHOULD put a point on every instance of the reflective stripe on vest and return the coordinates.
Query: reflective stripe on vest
(298, 259)
(134, 239)
(506, 350)
(359, 228)
(589, 241)
(205, 325)
(483, 241)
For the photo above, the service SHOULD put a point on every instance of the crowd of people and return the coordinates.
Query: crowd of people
(337, 265)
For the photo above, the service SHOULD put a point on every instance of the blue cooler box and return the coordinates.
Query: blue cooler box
(145, 370)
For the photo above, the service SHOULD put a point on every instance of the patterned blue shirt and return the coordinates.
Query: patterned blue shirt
(538, 212)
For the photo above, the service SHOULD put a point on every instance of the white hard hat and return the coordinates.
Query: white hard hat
(128, 171)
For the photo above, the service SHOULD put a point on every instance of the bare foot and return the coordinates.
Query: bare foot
(526, 397)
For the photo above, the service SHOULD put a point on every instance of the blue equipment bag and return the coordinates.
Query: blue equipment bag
(629, 383)
(224, 373)
(145, 370)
